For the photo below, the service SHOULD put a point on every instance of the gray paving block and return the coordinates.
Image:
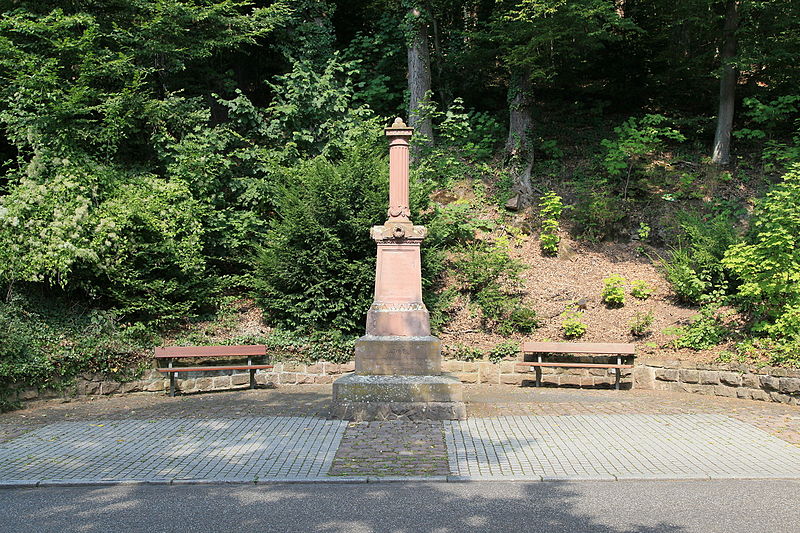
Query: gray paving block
(572, 447)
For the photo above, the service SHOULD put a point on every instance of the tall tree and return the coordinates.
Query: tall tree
(727, 85)
(419, 72)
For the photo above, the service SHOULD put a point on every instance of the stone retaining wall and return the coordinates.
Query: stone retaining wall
(732, 380)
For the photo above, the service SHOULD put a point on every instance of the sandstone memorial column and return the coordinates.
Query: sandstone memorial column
(398, 371)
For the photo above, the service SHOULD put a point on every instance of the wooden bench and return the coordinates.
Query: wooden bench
(169, 353)
(621, 351)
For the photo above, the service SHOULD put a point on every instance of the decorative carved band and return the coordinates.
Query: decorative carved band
(379, 306)
(398, 231)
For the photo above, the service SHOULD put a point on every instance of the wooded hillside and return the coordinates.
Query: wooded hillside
(166, 162)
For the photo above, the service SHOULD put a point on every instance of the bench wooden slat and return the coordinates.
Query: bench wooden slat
(211, 368)
(166, 352)
(576, 365)
(579, 347)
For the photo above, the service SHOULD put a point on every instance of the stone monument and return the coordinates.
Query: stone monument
(398, 373)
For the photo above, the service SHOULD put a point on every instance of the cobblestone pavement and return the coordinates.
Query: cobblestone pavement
(392, 449)
(617, 447)
(484, 401)
(243, 449)
(143, 435)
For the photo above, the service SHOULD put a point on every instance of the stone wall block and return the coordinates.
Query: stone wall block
(513, 379)
(709, 377)
(287, 378)
(468, 377)
(109, 387)
(722, 390)
(507, 367)
(789, 385)
(744, 393)
(732, 379)
(643, 377)
(489, 373)
(667, 374)
(769, 383)
(689, 375)
(323, 379)
(750, 381)
(222, 382)
(157, 385)
(316, 368)
(240, 379)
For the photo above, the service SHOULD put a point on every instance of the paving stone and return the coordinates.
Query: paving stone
(392, 448)
(616, 446)
(229, 450)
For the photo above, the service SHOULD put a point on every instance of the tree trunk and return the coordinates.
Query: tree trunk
(518, 149)
(419, 77)
(727, 86)
(519, 113)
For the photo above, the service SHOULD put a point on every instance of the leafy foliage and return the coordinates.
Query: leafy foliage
(768, 264)
(706, 330)
(504, 350)
(641, 290)
(613, 294)
(695, 268)
(571, 324)
(550, 208)
(316, 268)
(640, 323)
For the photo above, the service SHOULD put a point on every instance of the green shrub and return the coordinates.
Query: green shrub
(705, 331)
(45, 342)
(597, 211)
(465, 353)
(636, 137)
(550, 208)
(641, 323)
(641, 290)
(520, 320)
(695, 268)
(571, 325)
(485, 272)
(504, 350)
(768, 264)
(613, 294)
(317, 267)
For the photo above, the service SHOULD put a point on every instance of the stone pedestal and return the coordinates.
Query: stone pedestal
(398, 372)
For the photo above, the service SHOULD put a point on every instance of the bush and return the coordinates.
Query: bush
(571, 324)
(641, 290)
(705, 331)
(316, 270)
(613, 294)
(46, 342)
(504, 350)
(465, 353)
(550, 208)
(484, 273)
(768, 264)
(695, 268)
(597, 210)
(520, 320)
(641, 323)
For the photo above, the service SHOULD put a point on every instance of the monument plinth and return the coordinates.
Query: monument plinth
(398, 370)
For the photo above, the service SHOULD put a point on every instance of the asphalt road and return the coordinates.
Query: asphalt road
(652, 506)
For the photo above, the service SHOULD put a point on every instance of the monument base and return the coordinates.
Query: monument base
(361, 398)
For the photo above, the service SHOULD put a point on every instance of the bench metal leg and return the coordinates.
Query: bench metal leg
(172, 384)
(253, 379)
(616, 382)
(538, 376)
